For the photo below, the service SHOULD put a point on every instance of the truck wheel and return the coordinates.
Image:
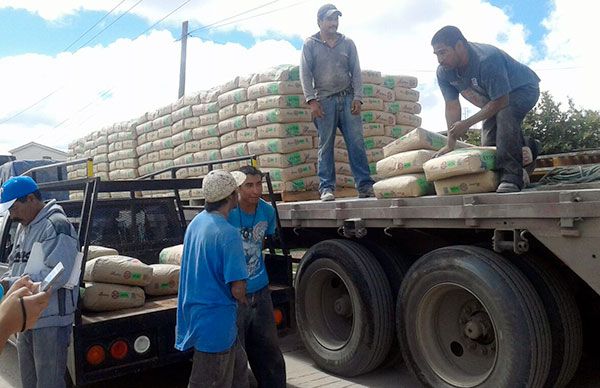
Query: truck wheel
(468, 318)
(344, 308)
(563, 316)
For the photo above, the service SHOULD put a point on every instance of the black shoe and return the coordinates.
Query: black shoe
(366, 193)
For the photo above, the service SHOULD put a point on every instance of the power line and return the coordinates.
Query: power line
(30, 106)
(95, 24)
(163, 18)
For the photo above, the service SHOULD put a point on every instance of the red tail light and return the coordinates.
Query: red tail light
(119, 350)
(95, 355)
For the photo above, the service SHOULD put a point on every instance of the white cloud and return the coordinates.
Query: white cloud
(142, 74)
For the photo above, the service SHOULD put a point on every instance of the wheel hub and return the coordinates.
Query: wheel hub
(343, 306)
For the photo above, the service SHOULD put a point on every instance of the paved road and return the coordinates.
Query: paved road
(301, 371)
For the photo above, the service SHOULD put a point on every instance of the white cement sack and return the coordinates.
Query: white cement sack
(207, 156)
(183, 159)
(182, 137)
(373, 142)
(346, 181)
(418, 139)
(405, 81)
(234, 150)
(302, 184)
(227, 112)
(161, 122)
(404, 118)
(371, 77)
(144, 149)
(210, 143)
(229, 85)
(182, 113)
(375, 116)
(282, 101)
(204, 109)
(232, 124)
(153, 157)
(110, 297)
(402, 106)
(164, 281)
(205, 131)
(95, 251)
(123, 174)
(247, 107)
(211, 118)
(245, 135)
(117, 270)
(411, 185)
(152, 136)
(280, 73)
(278, 115)
(373, 129)
(283, 146)
(408, 162)
(228, 139)
(406, 94)
(165, 132)
(102, 167)
(461, 162)
(291, 173)
(468, 184)
(272, 88)
(171, 255)
(145, 169)
(397, 131)
(125, 163)
(372, 103)
(142, 139)
(287, 160)
(286, 130)
(232, 97)
(161, 144)
(378, 91)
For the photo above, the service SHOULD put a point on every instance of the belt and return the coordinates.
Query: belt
(343, 93)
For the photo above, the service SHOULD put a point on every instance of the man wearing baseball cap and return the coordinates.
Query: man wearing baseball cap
(212, 282)
(43, 239)
(332, 85)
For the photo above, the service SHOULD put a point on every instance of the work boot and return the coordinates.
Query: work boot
(368, 193)
(507, 187)
(327, 195)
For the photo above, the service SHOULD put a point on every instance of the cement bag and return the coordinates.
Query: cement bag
(128, 173)
(483, 182)
(207, 156)
(245, 135)
(371, 77)
(346, 181)
(280, 73)
(232, 97)
(229, 85)
(302, 184)
(373, 129)
(402, 106)
(410, 185)
(404, 118)
(408, 162)
(397, 131)
(405, 81)
(282, 146)
(377, 91)
(210, 143)
(372, 103)
(278, 115)
(204, 109)
(182, 137)
(211, 118)
(234, 150)
(405, 94)
(227, 112)
(203, 132)
(181, 114)
(164, 281)
(171, 255)
(117, 270)
(95, 251)
(291, 173)
(284, 101)
(287, 160)
(460, 162)
(110, 297)
(244, 108)
(286, 130)
(228, 139)
(232, 124)
(273, 88)
(373, 142)
(375, 116)
(418, 139)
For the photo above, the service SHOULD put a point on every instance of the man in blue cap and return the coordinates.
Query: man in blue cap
(44, 238)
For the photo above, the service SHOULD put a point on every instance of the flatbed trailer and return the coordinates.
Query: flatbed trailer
(470, 290)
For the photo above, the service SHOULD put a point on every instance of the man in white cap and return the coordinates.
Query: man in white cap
(212, 282)
(332, 85)
(44, 238)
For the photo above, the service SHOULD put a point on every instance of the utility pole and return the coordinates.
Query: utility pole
(184, 35)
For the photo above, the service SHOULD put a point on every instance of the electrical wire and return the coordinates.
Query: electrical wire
(95, 24)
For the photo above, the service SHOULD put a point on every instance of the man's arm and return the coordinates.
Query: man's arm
(307, 81)
(356, 75)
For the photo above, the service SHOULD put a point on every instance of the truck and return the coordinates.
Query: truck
(106, 345)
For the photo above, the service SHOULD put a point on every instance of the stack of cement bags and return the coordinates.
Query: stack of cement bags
(467, 171)
(402, 167)
(76, 151)
(115, 282)
(122, 154)
(284, 130)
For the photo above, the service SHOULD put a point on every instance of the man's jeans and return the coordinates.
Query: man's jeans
(337, 113)
(258, 334)
(504, 131)
(220, 370)
(43, 356)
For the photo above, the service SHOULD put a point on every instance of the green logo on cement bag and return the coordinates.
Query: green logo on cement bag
(298, 184)
(293, 130)
(368, 117)
(273, 88)
(294, 158)
(293, 101)
(368, 90)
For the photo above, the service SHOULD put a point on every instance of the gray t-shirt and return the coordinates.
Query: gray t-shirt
(491, 73)
(328, 70)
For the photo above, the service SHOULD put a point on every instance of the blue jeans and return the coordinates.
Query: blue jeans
(43, 356)
(337, 113)
(220, 370)
(258, 334)
(504, 131)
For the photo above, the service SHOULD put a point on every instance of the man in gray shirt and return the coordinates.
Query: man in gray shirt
(332, 84)
(504, 90)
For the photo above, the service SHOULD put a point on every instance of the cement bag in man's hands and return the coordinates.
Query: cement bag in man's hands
(109, 297)
(171, 255)
(461, 162)
(118, 270)
(164, 281)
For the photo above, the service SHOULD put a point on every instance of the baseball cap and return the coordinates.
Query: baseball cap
(15, 188)
(218, 185)
(239, 177)
(326, 11)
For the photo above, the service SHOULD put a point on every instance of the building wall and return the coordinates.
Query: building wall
(34, 152)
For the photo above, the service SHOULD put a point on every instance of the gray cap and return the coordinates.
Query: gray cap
(218, 185)
(326, 11)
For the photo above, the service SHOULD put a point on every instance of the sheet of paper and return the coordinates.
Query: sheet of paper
(74, 278)
(35, 263)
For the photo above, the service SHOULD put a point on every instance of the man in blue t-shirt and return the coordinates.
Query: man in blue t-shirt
(212, 283)
(254, 218)
(504, 90)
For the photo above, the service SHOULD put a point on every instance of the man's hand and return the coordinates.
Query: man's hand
(458, 129)
(315, 109)
(238, 290)
(22, 282)
(447, 148)
(356, 107)
(34, 305)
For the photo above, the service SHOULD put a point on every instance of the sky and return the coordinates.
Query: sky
(70, 67)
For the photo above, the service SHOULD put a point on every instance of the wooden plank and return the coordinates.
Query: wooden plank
(296, 196)
(152, 304)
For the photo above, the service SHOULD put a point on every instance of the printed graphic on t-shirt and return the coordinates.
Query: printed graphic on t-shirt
(253, 248)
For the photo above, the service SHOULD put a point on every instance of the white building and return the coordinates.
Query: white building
(33, 150)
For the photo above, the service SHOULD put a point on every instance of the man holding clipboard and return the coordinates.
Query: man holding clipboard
(43, 239)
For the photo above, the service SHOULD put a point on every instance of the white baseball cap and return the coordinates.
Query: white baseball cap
(219, 184)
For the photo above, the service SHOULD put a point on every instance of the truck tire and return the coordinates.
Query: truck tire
(344, 308)
(563, 316)
(468, 318)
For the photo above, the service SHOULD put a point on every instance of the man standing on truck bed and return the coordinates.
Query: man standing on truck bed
(212, 283)
(504, 90)
(255, 219)
(332, 84)
(43, 239)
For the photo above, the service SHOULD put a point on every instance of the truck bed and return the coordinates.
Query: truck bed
(153, 304)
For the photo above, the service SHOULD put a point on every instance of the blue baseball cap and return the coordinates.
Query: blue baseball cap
(15, 188)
